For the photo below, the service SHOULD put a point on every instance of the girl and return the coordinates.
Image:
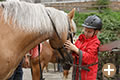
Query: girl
(85, 49)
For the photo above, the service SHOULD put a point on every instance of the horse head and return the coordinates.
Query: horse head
(57, 41)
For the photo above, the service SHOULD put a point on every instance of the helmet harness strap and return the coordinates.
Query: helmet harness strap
(94, 32)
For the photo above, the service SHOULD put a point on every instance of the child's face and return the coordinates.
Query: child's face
(88, 32)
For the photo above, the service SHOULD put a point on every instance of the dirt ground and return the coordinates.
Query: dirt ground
(50, 75)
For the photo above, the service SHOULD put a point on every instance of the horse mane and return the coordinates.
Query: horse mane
(34, 17)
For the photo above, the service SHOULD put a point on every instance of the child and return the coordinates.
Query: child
(86, 49)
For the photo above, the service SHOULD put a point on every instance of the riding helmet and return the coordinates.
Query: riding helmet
(93, 22)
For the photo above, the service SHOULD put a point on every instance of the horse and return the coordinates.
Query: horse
(24, 25)
(47, 54)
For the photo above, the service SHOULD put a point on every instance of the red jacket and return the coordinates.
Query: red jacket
(89, 48)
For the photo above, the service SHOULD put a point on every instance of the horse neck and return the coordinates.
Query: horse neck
(29, 41)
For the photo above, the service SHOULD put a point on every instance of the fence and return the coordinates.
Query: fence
(83, 6)
(70, 0)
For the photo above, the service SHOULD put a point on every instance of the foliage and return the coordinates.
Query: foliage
(103, 2)
(111, 24)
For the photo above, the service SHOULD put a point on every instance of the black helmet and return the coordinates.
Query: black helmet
(93, 22)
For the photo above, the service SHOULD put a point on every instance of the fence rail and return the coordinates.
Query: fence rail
(84, 6)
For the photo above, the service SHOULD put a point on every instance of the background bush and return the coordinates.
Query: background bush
(111, 24)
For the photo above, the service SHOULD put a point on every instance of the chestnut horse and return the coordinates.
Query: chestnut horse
(48, 54)
(24, 25)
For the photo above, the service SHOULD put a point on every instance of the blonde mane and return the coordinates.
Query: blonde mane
(34, 17)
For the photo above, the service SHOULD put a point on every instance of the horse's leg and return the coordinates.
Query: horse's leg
(35, 69)
(65, 74)
(46, 68)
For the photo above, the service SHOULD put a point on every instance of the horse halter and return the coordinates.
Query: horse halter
(69, 59)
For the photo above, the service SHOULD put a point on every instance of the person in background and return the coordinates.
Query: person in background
(59, 67)
(18, 73)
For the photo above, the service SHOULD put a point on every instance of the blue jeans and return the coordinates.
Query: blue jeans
(60, 69)
(18, 73)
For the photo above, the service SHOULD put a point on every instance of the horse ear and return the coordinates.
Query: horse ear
(71, 13)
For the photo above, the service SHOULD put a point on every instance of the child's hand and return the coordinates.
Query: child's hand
(70, 46)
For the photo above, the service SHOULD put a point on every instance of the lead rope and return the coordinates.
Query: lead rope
(80, 62)
(55, 32)
(31, 66)
(74, 70)
(79, 68)
(41, 75)
(53, 24)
